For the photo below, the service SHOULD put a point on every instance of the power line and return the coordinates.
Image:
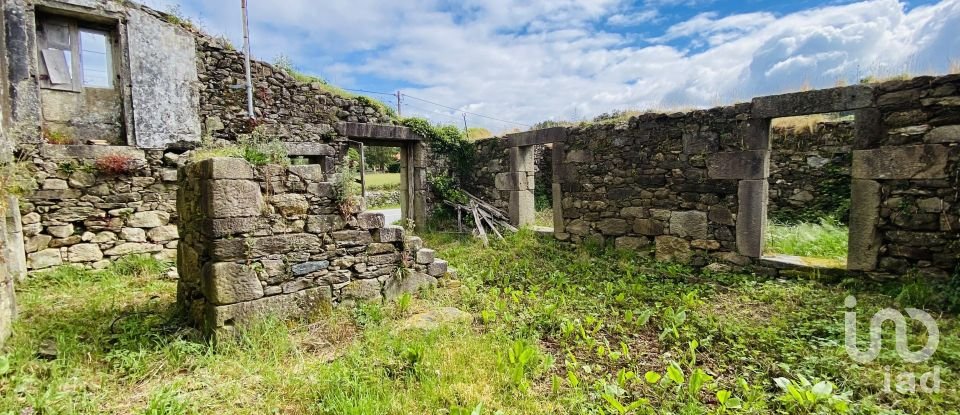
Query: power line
(370, 92)
(393, 94)
(429, 111)
(466, 112)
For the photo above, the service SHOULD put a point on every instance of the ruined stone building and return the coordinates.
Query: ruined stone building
(102, 100)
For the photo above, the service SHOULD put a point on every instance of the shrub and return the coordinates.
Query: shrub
(346, 189)
(115, 164)
(58, 137)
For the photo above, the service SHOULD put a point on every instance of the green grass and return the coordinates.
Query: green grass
(383, 181)
(828, 239)
(543, 217)
(559, 331)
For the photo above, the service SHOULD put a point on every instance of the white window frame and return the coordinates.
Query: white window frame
(76, 60)
(108, 48)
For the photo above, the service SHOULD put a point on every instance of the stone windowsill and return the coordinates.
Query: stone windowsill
(93, 152)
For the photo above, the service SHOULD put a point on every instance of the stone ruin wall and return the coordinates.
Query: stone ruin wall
(272, 240)
(298, 112)
(810, 172)
(913, 175)
(801, 161)
(85, 217)
(12, 266)
(675, 183)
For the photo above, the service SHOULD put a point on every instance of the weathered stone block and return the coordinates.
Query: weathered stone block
(648, 227)
(380, 248)
(325, 223)
(612, 226)
(290, 204)
(437, 268)
(362, 290)
(163, 233)
(413, 243)
(752, 164)
(813, 102)
(383, 259)
(84, 253)
(945, 134)
(425, 256)
(230, 198)
(864, 240)
(370, 220)
(521, 208)
(352, 237)
(222, 320)
(225, 168)
(720, 215)
(927, 161)
(673, 249)
(62, 231)
(752, 217)
(37, 243)
(578, 227)
(309, 172)
(322, 189)
(389, 233)
(133, 248)
(149, 219)
(309, 267)
(44, 259)
(219, 228)
(410, 283)
(228, 283)
(690, 224)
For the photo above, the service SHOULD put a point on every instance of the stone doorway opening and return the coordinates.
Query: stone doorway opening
(809, 191)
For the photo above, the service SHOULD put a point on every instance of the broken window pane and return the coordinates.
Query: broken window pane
(57, 35)
(95, 58)
(58, 67)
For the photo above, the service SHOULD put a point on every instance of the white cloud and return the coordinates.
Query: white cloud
(553, 59)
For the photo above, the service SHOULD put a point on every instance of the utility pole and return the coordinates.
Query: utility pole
(399, 111)
(464, 124)
(246, 60)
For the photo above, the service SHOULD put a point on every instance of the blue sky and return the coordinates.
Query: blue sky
(534, 60)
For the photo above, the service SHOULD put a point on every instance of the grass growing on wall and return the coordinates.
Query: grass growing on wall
(827, 239)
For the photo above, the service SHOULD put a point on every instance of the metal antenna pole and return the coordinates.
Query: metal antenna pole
(246, 60)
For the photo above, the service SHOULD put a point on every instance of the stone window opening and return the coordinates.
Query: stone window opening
(74, 56)
(78, 69)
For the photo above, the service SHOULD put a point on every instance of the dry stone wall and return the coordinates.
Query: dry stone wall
(651, 183)
(810, 172)
(296, 111)
(83, 215)
(696, 187)
(913, 175)
(272, 240)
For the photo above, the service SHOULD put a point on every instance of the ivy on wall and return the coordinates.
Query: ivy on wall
(448, 142)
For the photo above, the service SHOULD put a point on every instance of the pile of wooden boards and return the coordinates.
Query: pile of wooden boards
(484, 216)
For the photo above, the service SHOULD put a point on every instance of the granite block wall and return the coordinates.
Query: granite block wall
(272, 240)
(912, 173)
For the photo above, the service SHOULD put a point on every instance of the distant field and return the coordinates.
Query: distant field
(389, 181)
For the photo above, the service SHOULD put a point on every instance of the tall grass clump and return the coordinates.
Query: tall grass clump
(828, 239)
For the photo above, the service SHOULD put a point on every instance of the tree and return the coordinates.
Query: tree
(378, 158)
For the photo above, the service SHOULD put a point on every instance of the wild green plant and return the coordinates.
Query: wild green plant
(806, 397)
(347, 189)
(520, 361)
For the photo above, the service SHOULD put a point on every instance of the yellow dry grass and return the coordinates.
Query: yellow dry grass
(803, 122)
(954, 66)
